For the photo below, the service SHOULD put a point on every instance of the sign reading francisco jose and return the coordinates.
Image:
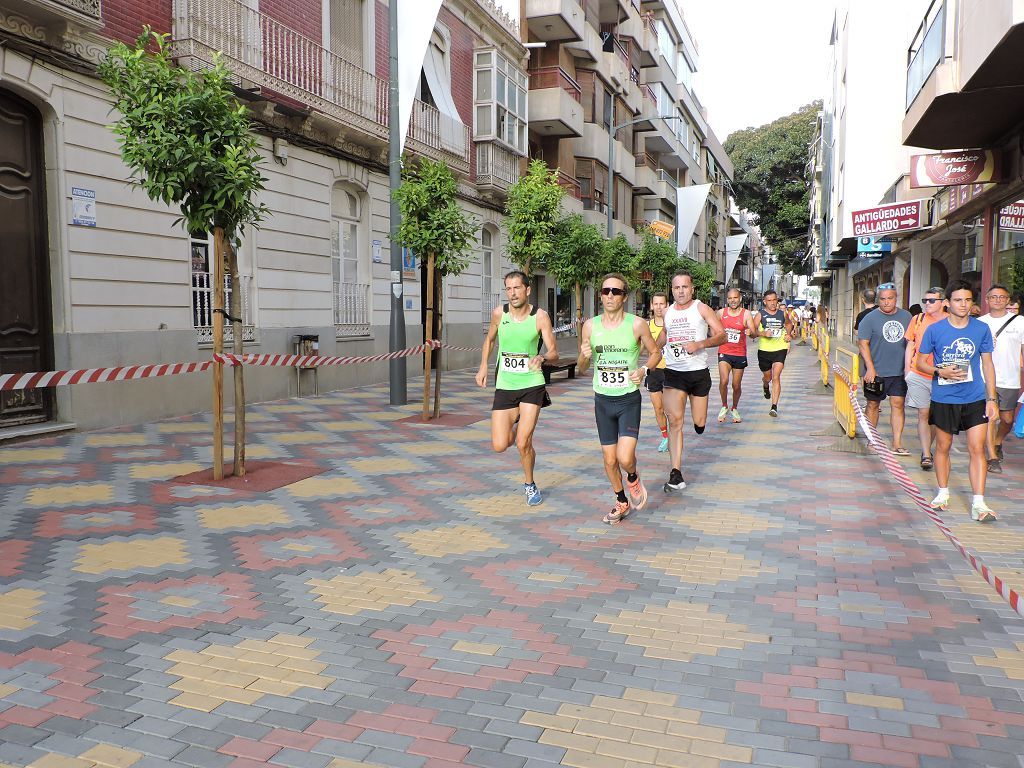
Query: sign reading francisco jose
(948, 169)
(891, 219)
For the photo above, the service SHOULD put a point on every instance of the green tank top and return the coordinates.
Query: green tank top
(616, 352)
(517, 343)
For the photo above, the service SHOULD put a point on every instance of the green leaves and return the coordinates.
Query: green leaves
(770, 164)
(432, 221)
(534, 205)
(184, 137)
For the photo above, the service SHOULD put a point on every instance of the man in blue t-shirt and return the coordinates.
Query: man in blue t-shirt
(963, 392)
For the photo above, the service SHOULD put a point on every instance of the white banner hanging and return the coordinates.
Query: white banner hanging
(416, 19)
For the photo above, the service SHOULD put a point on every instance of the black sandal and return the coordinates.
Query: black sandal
(926, 462)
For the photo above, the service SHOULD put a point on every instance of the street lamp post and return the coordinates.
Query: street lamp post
(396, 325)
(612, 130)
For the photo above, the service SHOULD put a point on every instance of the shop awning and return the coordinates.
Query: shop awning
(689, 204)
(733, 247)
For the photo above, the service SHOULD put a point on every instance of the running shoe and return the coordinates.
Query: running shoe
(533, 497)
(722, 414)
(941, 500)
(981, 513)
(767, 391)
(774, 411)
(736, 416)
(618, 513)
(675, 481)
(637, 493)
(663, 445)
(995, 466)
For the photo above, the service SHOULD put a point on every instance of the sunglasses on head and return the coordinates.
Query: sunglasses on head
(887, 287)
(929, 301)
(613, 291)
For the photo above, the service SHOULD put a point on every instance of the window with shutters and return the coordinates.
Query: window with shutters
(349, 270)
(593, 180)
(346, 30)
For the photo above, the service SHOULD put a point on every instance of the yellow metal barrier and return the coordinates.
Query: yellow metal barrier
(841, 405)
(814, 337)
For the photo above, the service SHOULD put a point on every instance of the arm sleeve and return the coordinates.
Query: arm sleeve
(987, 343)
(864, 329)
(927, 345)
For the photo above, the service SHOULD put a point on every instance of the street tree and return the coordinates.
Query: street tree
(576, 258)
(771, 180)
(436, 229)
(621, 257)
(534, 207)
(657, 261)
(189, 142)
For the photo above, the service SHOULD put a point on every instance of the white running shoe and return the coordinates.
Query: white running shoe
(941, 500)
(722, 414)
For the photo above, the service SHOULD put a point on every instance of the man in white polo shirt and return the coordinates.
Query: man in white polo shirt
(1008, 334)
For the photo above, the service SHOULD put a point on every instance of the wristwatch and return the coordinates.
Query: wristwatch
(991, 399)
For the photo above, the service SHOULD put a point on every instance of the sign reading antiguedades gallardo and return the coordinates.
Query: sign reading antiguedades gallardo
(1011, 217)
(891, 219)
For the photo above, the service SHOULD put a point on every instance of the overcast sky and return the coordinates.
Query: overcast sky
(759, 59)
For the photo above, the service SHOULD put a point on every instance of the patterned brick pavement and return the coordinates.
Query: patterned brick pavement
(404, 607)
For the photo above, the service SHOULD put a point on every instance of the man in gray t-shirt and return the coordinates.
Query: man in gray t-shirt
(881, 338)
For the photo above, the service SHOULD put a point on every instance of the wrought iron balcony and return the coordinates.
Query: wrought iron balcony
(280, 62)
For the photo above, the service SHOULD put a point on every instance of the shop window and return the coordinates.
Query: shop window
(1008, 264)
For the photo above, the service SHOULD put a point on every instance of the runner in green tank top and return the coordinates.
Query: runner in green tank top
(518, 328)
(612, 341)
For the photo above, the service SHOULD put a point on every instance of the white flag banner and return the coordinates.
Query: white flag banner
(733, 246)
(689, 205)
(416, 19)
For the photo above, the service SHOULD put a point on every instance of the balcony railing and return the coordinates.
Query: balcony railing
(926, 50)
(554, 77)
(645, 158)
(273, 56)
(665, 177)
(570, 185)
(496, 166)
(351, 309)
(202, 308)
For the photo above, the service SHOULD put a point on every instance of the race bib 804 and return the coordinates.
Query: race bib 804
(515, 363)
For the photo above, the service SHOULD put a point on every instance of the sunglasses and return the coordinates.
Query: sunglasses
(613, 291)
(929, 301)
(887, 287)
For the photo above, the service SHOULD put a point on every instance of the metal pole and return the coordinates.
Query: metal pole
(611, 177)
(396, 335)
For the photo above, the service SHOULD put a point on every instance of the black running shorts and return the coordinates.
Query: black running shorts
(617, 416)
(506, 399)
(655, 381)
(696, 383)
(733, 361)
(765, 360)
(954, 418)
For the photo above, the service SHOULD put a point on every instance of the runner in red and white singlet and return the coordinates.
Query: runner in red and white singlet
(732, 355)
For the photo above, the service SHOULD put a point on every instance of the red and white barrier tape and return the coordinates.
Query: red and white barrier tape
(9, 381)
(1012, 596)
(314, 361)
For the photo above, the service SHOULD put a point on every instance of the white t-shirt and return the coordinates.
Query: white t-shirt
(683, 326)
(1006, 357)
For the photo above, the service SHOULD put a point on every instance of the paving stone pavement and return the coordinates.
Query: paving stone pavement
(406, 608)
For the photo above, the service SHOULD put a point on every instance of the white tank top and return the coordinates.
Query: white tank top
(682, 326)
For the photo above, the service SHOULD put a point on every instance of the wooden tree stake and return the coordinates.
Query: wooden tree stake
(218, 348)
(428, 333)
(237, 371)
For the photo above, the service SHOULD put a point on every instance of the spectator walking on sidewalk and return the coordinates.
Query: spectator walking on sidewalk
(963, 393)
(1008, 338)
(869, 306)
(919, 383)
(881, 338)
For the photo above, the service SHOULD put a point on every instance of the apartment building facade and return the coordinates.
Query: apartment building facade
(98, 275)
(604, 76)
(955, 89)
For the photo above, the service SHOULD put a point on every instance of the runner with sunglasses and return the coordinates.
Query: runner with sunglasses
(613, 342)
(691, 326)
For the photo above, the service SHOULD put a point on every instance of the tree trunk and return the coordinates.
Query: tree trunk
(440, 326)
(217, 296)
(238, 370)
(578, 295)
(427, 333)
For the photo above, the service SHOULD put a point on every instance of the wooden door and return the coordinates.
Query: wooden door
(25, 322)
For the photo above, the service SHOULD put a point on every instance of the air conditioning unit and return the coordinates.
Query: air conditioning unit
(969, 265)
